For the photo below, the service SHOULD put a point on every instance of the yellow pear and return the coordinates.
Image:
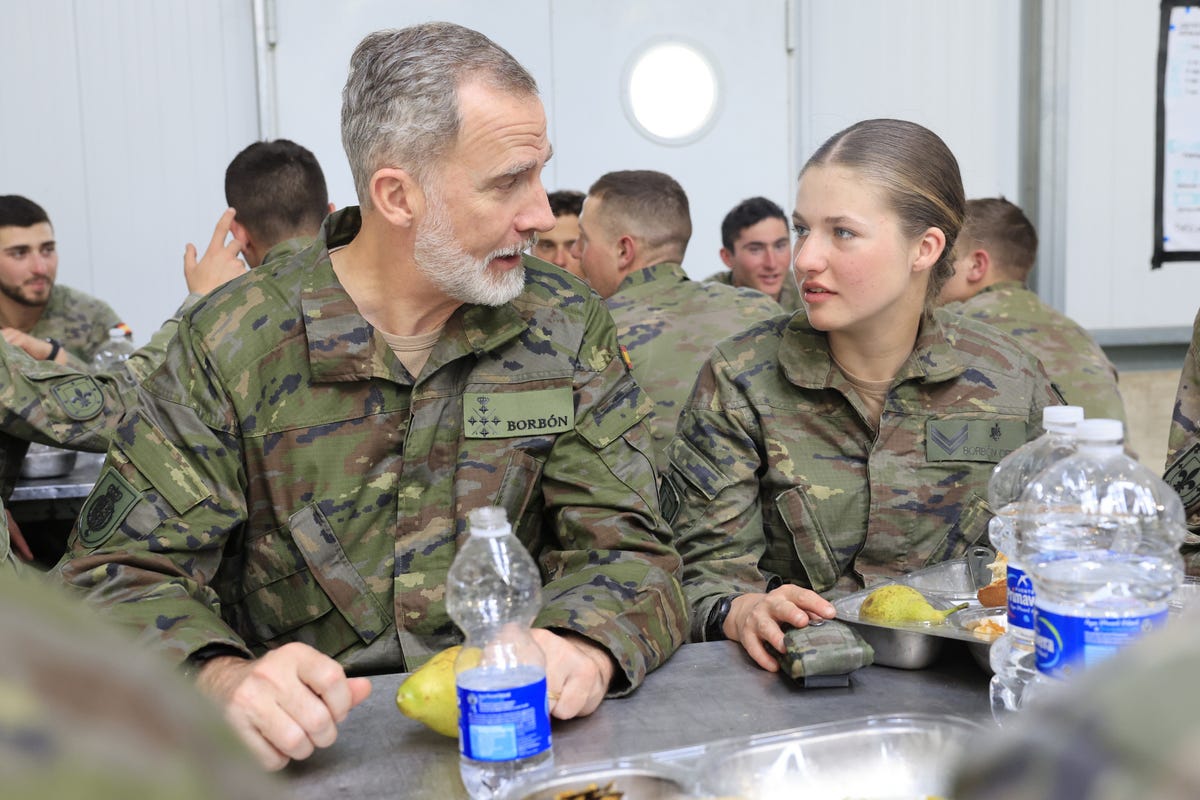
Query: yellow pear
(898, 604)
(429, 695)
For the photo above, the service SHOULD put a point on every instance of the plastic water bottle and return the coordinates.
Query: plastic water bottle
(1012, 656)
(117, 350)
(494, 592)
(1102, 544)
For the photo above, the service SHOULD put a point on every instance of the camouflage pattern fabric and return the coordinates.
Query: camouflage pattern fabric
(285, 478)
(79, 321)
(1183, 448)
(669, 325)
(775, 472)
(72, 406)
(789, 295)
(1069, 354)
(1119, 732)
(86, 712)
(831, 648)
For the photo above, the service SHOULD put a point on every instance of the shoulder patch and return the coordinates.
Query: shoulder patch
(80, 397)
(1184, 476)
(972, 439)
(106, 508)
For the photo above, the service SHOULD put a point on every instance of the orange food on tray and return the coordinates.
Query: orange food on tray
(996, 593)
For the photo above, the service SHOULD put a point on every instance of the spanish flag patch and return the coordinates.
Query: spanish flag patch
(625, 357)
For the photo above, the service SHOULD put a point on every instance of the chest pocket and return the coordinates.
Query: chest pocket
(298, 585)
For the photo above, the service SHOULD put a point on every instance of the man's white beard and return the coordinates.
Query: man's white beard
(453, 270)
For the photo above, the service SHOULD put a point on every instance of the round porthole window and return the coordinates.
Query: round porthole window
(671, 92)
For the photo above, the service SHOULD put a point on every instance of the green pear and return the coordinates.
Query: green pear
(896, 604)
(430, 695)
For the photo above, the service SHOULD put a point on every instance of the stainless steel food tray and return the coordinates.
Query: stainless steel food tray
(915, 646)
(907, 756)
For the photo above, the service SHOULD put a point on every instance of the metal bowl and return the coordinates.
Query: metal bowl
(908, 646)
(909, 756)
(634, 782)
(47, 462)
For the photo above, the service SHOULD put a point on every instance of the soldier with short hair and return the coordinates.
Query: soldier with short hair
(852, 442)
(282, 509)
(992, 259)
(634, 231)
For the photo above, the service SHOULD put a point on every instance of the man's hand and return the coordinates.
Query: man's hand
(754, 619)
(285, 704)
(220, 262)
(16, 540)
(578, 672)
(35, 347)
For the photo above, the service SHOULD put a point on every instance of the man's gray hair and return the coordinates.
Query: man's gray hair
(400, 105)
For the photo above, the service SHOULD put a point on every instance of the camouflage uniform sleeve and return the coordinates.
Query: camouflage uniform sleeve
(57, 405)
(147, 358)
(711, 494)
(614, 576)
(150, 537)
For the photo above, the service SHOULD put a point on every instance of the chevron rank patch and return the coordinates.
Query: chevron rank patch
(972, 439)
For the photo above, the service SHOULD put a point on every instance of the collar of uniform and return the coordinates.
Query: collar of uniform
(659, 273)
(806, 361)
(288, 247)
(342, 345)
(1003, 287)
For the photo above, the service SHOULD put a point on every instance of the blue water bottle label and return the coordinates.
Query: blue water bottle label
(1020, 598)
(1067, 644)
(504, 724)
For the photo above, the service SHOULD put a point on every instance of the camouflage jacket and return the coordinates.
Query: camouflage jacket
(777, 476)
(1069, 354)
(285, 478)
(1183, 443)
(70, 406)
(669, 325)
(79, 321)
(9, 563)
(789, 295)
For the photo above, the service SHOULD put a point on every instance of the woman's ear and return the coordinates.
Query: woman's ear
(928, 249)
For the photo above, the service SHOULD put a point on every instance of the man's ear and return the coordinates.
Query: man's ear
(396, 196)
(726, 257)
(239, 232)
(627, 253)
(981, 266)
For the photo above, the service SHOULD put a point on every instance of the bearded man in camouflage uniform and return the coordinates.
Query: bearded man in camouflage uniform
(285, 506)
(634, 229)
(992, 260)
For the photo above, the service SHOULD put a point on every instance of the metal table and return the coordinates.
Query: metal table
(75, 484)
(705, 692)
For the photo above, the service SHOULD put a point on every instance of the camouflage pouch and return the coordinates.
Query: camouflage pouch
(830, 648)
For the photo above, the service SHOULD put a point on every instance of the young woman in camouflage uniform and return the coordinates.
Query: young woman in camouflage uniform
(853, 440)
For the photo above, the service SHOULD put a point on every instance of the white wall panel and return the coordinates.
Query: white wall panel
(1108, 168)
(951, 66)
(131, 109)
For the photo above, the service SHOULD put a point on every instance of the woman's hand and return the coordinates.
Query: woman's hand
(756, 619)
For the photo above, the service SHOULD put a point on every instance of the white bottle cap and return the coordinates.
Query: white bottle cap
(1100, 431)
(489, 521)
(1061, 419)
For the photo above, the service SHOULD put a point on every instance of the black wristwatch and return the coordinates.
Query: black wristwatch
(55, 346)
(714, 628)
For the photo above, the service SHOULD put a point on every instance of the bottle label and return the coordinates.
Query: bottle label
(1020, 598)
(1068, 644)
(504, 724)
